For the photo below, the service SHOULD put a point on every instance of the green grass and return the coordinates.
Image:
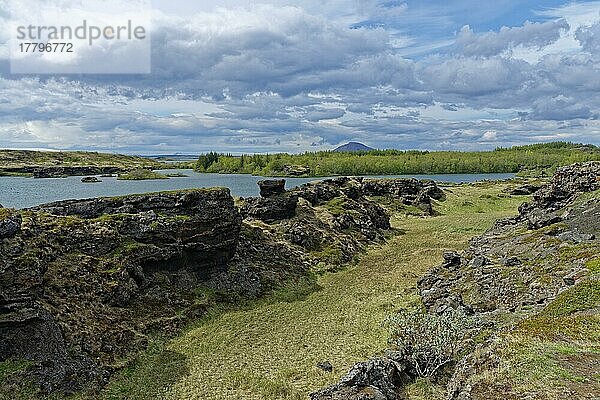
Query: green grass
(555, 352)
(9, 367)
(593, 265)
(270, 349)
(337, 206)
(583, 296)
(22, 390)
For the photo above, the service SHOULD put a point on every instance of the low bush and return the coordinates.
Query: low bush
(430, 341)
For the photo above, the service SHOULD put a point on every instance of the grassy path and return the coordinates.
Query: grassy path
(270, 351)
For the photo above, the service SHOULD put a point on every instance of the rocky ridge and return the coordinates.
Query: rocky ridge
(522, 268)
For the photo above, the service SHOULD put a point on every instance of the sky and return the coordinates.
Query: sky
(293, 76)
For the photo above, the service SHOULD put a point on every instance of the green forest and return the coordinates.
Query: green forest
(532, 159)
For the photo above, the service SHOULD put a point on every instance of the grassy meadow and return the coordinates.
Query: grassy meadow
(269, 349)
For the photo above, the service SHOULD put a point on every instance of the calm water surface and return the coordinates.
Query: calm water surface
(20, 192)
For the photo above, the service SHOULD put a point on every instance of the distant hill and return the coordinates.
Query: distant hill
(353, 146)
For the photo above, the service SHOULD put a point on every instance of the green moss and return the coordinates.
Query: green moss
(585, 197)
(17, 388)
(545, 234)
(534, 366)
(582, 251)
(337, 206)
(593, 265)
(329, 254)
(141, 174)
(583, 296)
(251, 232)
(567, 328)
(5, 213)
(127, 247)
(129, 196)
(10, 367)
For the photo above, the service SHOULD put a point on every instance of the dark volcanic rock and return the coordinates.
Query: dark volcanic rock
(567, 183)
(410, 191)
(376, 379)
(325, 366)
(10, 226)
(524, 190)
(82, 288)
(275, 203)
(516, 260)
(200, 203)
(271, 208)
(90, 179)
(271, 187)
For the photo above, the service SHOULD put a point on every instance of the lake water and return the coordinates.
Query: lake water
(21, 192)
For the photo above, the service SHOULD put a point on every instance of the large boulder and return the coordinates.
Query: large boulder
(376, 379)
(270, 209)
(10, 225)
(271, 187)
(90, 179)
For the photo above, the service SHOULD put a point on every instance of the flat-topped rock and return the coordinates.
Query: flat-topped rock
(201, 203)
(271, 187)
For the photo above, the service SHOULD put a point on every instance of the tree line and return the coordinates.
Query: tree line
(546, 156)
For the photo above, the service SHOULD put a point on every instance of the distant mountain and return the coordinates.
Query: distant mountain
(353, 146)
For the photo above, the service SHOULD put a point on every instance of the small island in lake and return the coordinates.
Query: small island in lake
(141, 174)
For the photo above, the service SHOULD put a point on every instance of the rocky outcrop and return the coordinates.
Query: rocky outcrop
(271, 187)
(10, 225)
(296, 170)
(566, 185)
(418, 193)
(519, 266)
(515, 264)
(59, 172)
(82, 283)
(200, 203)
(376, 379)
(270, 209)
(524, 190)
(512, 271)
(90, 179)
(335, 217)
(273, 205)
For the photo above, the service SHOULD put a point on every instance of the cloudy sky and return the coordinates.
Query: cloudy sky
(286, 75)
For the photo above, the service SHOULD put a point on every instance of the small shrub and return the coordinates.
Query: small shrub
(431, 341)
